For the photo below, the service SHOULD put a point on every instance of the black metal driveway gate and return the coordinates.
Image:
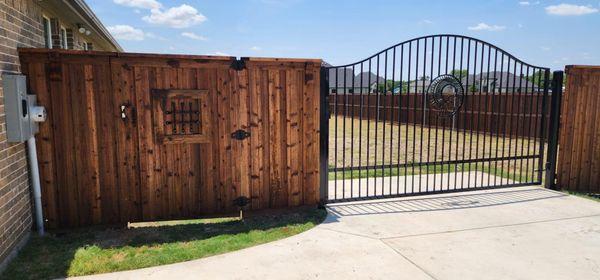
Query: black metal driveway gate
(436, 114)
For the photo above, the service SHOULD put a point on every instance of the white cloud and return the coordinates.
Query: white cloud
(154, 36)
(176, 17)
(194, 36)
(528, 3)
(586, 55)
(144, 4)
(570, 10)
(255, 48)
(425, 21)
(221, 54)
(486, 27)
(544, 48)
(126, 32)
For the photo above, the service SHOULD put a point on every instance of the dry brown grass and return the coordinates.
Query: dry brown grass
(368, 142)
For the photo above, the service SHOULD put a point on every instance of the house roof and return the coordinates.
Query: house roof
(419, 84)
(502, 79)
(340, 77)
(345, 78)
(367, 79)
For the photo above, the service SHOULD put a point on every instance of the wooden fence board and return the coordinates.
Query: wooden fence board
(64, 154)
(258, 178)
(595, 165)
(98, 168)
(579, 151)
(39, 85)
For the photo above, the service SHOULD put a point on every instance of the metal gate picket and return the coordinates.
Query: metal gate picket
(434, 114)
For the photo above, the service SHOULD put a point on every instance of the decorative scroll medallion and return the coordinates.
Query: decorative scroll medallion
(445, 95)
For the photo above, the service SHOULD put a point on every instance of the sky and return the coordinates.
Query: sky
(544, 33)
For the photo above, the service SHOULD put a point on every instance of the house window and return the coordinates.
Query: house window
(70, 42)
(88, 46)
(47, 33)
(63, 38)
(334, 90)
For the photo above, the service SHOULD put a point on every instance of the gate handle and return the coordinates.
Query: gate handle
(124, 107)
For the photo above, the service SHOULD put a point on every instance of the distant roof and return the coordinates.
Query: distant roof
(345, 78)
(367, 78)
(502, 79)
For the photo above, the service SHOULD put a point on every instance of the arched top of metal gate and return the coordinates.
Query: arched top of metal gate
(448, 38)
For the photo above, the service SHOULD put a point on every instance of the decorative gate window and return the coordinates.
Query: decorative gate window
(181, 115)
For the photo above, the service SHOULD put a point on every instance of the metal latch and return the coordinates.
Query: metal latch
(240, 134)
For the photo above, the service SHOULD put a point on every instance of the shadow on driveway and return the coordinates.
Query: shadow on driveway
(439, 203)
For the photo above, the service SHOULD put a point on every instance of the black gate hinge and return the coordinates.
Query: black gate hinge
(240, 134)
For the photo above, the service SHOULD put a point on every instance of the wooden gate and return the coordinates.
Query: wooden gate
(140, 137)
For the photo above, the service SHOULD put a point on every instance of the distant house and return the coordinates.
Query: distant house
(343, 80)
(418, 86)
(498, 82)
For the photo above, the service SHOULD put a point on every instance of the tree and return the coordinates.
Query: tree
(459, 73)
(473, 88)
(538, 78)
(389, 86)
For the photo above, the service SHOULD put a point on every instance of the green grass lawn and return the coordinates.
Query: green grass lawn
(99, 250)
(489, 168)
(591, 196)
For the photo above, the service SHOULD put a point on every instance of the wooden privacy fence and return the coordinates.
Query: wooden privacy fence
(140, 137)
(579, 142)
(495, 113)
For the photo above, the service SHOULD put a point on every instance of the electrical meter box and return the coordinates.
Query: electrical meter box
(22, 114)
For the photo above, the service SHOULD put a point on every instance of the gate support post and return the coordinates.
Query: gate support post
(557, 84)
(324, 137)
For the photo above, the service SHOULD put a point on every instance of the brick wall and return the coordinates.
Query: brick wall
(20, 26)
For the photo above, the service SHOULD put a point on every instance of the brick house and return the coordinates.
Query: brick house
(64, 24)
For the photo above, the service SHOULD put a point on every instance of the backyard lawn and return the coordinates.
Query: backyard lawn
(100, 250)
(354, 142)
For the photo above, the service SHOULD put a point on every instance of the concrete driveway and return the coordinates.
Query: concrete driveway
(517, 233)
